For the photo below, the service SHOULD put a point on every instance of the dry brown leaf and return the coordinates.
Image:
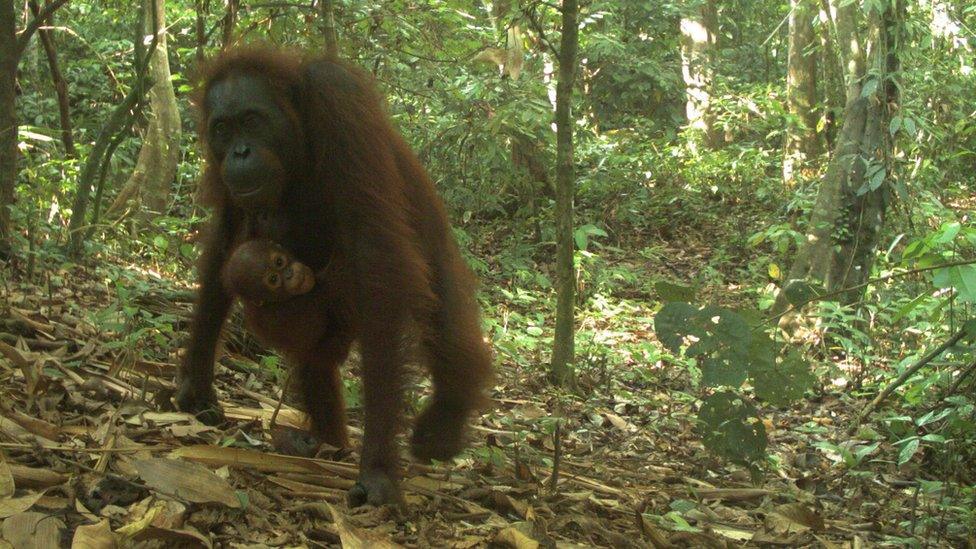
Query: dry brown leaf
(793, 518)
(357, 538)
(653, 534)
(34, 425)
(15, 431)
(14, 355)
(162, 513)
(619, 423)
(14, 506)
(7, 486)
(94, 536)
(493, 56)
(31, 477)
(186, 480)
(508, 504)
(529, 410)
(309, 490)
(162, 520)
(732, 494)
(165, 418)
(524, 473)
(286, 417)
(512, 537)
(33, 530)
(731, 532)
(185, 537)
(432, 484)
(245, 459)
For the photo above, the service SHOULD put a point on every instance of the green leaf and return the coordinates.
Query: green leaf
(667, 291)
(908, 307)
(731, 428)
(895, 125)
(721, 339)
(960, 277)
(870, 87)
(160, 242)
(908, 450)
(782, 383)
(970, 327)
(671, 324)
(947, 233)
(909, 126)
(582, 235)
(861, 452)
(933, 416)
(718, 371)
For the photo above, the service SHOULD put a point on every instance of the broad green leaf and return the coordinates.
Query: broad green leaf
(718, 371)
(908, 450)
(870, 86)
(784, 382)
(667, 291)
(730, 428)
(671, 324)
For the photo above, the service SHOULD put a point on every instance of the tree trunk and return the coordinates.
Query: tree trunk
(229, 23)
(801, 92)
(60, 86)
(563, 352)
(849, 213)
(12, 47)
(698, 31)
(327, 8)
(155, 169)
(830, 68)
(845, 15)
(201, 8)
(121, 117)
(8, 120)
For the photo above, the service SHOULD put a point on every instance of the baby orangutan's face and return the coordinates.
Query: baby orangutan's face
(263, 271)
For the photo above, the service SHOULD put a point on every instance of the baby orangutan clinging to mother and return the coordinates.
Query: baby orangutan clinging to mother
(261, 271)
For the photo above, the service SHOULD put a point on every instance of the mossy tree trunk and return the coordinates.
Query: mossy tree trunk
(845, 225)
(152, 178)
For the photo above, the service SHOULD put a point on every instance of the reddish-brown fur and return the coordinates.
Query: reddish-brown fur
(364, 206)
(261, 271)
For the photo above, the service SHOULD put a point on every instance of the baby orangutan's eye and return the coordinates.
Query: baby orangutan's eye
(279, 261)
(273, 280)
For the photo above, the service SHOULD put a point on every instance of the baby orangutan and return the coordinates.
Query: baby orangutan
(261, 271)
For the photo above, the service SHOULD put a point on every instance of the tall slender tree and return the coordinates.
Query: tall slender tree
(60, 84)
(563, 353)
(698, 41)
(327, 9)
(801, 91)
(12, 46)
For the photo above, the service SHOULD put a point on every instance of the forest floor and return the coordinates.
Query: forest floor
(95, 454)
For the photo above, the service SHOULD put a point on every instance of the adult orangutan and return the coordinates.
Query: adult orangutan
(300, 151)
